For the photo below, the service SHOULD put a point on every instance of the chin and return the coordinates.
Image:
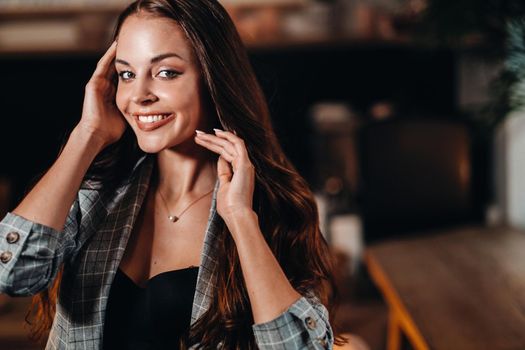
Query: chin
(155, 143)
(150, 147)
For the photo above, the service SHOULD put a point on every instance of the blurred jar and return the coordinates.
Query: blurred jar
(257, 23)
(316, 20)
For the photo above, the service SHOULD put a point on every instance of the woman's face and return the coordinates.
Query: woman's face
(159, 90)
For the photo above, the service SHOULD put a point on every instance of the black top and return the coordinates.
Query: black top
(153, 317)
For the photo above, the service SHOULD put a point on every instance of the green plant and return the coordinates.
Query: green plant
(508, 89)
(514, 63)
(497, 30)
(452, 21)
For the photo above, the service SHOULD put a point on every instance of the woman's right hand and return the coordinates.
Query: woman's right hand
(49, 201)
(100, 115)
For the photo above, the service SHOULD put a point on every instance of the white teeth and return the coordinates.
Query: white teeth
(152, 118)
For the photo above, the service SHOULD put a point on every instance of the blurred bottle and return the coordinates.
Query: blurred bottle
(335, 156)
(335, 125)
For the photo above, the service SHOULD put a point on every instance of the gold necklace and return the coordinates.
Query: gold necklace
(175, 218)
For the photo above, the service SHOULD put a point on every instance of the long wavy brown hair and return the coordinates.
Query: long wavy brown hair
(284, 203)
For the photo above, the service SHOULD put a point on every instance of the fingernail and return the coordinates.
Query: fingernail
(218, 130)
(199, 132)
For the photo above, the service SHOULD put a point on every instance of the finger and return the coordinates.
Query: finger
(216, 142)
(215, 148)
(224, 171)
(105, 62)
(230, 148)
(237, 142)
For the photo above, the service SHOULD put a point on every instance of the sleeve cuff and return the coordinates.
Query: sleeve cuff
(16, 232)
(291, 325)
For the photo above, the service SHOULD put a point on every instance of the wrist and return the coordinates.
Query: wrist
(86, 140)
(88, 137)
(239, 214)
(240, 219)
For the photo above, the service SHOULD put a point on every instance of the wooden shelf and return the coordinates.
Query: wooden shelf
(87, 29)
(329, 41)
(55, 12)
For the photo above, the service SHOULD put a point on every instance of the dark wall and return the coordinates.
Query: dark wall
(416, 81)
(42, 96)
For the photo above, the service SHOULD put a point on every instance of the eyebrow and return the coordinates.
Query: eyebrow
(154, 59)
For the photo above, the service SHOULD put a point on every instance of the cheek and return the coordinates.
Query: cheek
(120, 100)
(182, 94)
(122, 104)
(187, 100)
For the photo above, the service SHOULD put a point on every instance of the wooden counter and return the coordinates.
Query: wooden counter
(461, 289)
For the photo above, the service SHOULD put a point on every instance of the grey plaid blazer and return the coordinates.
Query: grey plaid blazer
(91, 247)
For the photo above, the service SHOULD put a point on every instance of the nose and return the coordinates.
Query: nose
(142, 93)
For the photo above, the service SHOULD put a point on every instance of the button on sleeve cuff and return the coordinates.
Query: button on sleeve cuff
(30, 247)
(304, 325)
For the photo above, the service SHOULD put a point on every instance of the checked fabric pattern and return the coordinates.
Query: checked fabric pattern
(91, 246)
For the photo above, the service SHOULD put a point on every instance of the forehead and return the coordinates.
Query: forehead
(143, 36)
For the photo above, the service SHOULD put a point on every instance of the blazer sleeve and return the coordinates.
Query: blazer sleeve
(31, 253)
(305, 325)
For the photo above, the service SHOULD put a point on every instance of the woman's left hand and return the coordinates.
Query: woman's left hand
(235, 171)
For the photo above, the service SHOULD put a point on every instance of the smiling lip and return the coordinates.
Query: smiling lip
(155, 125)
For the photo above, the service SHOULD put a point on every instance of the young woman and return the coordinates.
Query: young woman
(148, 233)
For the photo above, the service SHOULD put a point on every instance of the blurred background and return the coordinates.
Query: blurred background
(405, 116)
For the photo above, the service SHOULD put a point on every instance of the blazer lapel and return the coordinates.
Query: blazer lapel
(123, 217)
(94, 268)
(206, 278)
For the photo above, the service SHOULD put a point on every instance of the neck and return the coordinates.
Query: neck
(186, 169)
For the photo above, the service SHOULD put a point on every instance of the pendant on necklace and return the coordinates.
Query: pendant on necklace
(173, 218)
